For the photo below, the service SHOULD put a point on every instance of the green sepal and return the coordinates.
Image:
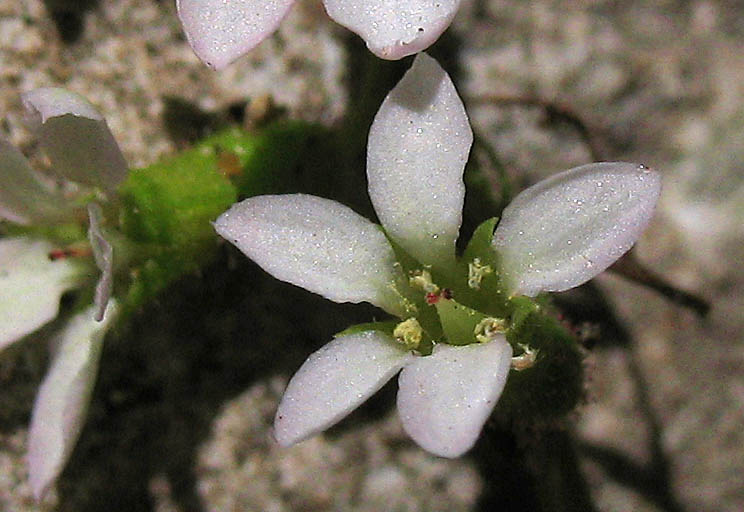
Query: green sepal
(62, 234)
(458, 321)
(480, 245)
(522, 308)
(425, 313)
(407, 262)
(490, 297)
(155, 274)
(385, 327)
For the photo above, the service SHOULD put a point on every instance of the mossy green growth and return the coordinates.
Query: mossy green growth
(554, 385)
(167, 209)
(166, 215)
(272, 160)
(62, 234)
(172, 203)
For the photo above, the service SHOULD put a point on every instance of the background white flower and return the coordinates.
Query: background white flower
(34, 273)
(555, 235)
(220, 31)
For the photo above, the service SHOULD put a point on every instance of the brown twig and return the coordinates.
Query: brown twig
(630, 268)
(555, 112)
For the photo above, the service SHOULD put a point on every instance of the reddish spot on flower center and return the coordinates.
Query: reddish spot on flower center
(432, 298)
(69, 252)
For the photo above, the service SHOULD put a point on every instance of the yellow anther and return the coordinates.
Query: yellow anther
(488, 328)
(408, 333)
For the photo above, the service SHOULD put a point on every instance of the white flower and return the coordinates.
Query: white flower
(220, 31)
(554, 236)
(35, 273)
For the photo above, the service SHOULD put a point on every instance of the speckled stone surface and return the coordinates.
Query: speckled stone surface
(657, 82)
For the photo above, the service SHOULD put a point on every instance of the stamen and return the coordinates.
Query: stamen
(476, 273)
(422, 279)
(408, 333)
(525, 360)
(488, 328)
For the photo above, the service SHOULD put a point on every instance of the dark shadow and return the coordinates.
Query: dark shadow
(23, 365)
(186, 123)
(164, 379)
(652, 480)
(507, 483)
(69, 17)
(588, 305)
(592, 317)
(530, 471)
(647, 481)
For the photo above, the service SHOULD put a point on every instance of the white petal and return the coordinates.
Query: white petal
(76, 138)
(418, 147)
(315, 243)
(445, 398)
(23, 198)
(62, 403)
(393, 30)
(565, 230)
(50, 102)
(334, 381)
(220, 31)
(104, 256)
(31, 286)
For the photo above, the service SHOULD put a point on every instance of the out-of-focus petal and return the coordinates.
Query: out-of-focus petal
(418, 147)
(318, 244)
(62, 403)
(445, 398)
(334, 381)
(566, 229)
(220, 31)
(23, 198)
(30, 286)
(393, 30)
(76, 138)
(104, 256)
